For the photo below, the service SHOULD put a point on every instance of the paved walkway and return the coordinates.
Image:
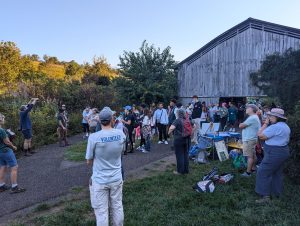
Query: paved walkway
(46, 175)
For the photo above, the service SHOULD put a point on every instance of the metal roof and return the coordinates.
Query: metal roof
(249, 23)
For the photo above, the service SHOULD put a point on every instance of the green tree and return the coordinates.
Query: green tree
(147, 73)
(279, 78)
(10, 62)
(74, 71)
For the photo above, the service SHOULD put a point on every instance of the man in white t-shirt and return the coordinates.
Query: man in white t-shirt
(104, 150)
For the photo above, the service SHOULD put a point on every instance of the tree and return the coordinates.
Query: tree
(279, 76)
(12, 64)
(147, 73)
(74, 71)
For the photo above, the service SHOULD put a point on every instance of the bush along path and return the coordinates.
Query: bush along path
(48, 175)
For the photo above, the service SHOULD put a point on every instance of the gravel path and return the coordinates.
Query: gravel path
(46, 175)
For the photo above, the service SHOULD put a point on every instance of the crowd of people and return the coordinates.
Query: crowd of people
(111, 134)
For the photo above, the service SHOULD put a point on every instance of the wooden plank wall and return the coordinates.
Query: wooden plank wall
(224, 71)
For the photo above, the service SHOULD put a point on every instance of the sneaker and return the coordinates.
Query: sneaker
(160, 142)
(245, 174)
(166, 142)
(233, 130)
(144, 151)
(4, 188)
(264, 199)
(139, 148)
(17, 189)
(176, 173)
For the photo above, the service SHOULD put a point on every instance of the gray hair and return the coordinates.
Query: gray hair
(180, 113)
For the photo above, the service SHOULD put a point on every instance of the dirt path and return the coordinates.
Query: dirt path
(47, 176)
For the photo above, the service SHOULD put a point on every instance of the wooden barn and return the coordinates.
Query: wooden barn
(221, 69)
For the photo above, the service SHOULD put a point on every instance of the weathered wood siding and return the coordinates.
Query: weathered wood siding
(224, 70)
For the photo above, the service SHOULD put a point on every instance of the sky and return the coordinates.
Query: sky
(82, 29)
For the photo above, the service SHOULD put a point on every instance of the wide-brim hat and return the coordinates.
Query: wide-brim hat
(277, 112)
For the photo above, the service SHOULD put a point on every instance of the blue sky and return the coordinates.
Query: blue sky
(80, 30)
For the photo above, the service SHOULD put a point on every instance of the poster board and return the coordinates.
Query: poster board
(209, 128)
(222, 150)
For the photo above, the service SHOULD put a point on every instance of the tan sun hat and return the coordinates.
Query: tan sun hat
(277, 112)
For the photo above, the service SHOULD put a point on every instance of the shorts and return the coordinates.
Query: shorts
(249, 148)
(8, 159)
(27, 134)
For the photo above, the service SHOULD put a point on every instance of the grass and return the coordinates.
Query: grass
(76, 152)
(42, 207)
(166, 199)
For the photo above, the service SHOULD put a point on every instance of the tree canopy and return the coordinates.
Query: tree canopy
(279, 76)
(147, 75)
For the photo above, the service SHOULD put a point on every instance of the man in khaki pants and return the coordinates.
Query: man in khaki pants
(249, 136)
(104, 150)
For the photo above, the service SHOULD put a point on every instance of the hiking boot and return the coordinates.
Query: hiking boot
(4, 188)
(264, 199)
(17, 189)
(245, 174)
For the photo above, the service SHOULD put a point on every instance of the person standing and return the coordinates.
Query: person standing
(66, 116)
(172, 111)
(104, 151)
(62, 129)
(232, 116)
(85, 122)
(8, 159)
(180, 143)
(223, 111)
(93, 120)
(162, 120)
(196, 116)
(276, 134)
(128, 122)
(140, 122)
(26, 126)
(204, 114)
(146, 130)
(250, 128)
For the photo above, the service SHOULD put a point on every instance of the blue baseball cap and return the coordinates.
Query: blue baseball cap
(128, 108)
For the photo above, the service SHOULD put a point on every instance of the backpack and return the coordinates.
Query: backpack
(239, 162)
(206, 186)
(187, 127)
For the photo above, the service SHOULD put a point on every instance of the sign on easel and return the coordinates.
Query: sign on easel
(222, 150)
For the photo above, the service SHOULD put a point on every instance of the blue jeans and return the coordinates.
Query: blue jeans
(269, 177)
(148, 143)
(182, 156)
(8, 158)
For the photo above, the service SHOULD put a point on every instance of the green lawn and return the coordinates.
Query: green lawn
(76, 152)
(167, 199)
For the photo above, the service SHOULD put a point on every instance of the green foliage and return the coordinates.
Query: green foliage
(44, 122)
(147, 73)
(279, 77)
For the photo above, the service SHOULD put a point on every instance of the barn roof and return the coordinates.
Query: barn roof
(249, 23)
